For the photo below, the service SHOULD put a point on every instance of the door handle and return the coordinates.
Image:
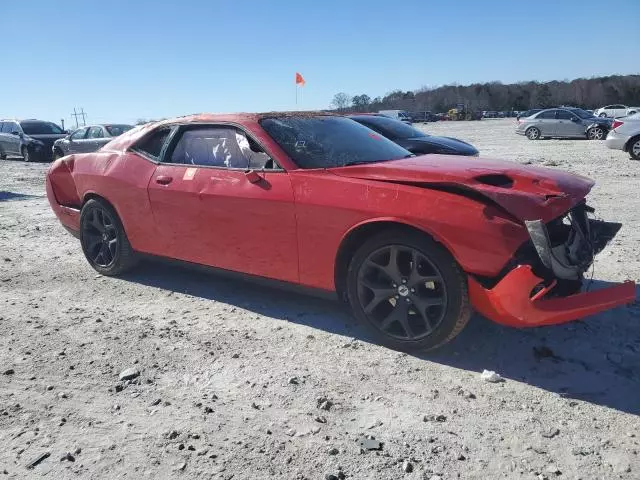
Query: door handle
(164, 179)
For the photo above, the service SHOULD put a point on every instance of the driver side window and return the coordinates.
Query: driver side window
(79, 134)
(220, 146)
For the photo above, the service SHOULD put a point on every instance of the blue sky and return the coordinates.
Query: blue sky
(126, 59)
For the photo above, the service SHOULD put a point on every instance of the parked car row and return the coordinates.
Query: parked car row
(39, 140)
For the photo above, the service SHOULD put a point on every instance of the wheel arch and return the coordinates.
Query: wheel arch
(96, 196)
(360, 233)
(629, 142)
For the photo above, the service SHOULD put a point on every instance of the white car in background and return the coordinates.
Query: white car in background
(615, 111)
(625, 135)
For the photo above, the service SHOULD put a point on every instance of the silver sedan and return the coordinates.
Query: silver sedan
(563, 123)
(625, 135)
(88, 139)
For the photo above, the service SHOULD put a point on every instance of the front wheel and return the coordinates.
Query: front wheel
(408, 290)
(532, 133)
(103, 239)
(603, 115)
(595, 133)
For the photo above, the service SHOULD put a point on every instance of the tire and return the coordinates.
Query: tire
(603, 115)
(532, 133)
(26, 156)
(632, 112)
(634, 148)
(387, 298)
(57, 153)
(596, 133)
(104, 242)
(3, 156)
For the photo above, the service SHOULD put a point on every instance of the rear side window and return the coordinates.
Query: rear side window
(95, 132)
(548, 115)
(152, 144)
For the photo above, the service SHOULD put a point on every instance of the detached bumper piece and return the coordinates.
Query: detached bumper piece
(564, 250)
(510, 302)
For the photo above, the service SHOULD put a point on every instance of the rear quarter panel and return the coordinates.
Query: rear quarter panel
(122, 179)
(328, 207)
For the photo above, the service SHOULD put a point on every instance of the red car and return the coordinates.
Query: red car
(322, 202)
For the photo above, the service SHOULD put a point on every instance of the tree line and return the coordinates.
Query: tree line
(582, 92)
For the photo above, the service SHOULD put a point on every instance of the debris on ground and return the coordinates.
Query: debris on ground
(550, 432)
(129, 374)
(36, 460)
(369, 443)
(491, 376)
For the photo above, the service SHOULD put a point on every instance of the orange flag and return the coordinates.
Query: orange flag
(300, 80)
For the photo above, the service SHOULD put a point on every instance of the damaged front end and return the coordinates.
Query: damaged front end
(541, 285)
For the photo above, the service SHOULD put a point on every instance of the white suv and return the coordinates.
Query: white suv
(614, 111)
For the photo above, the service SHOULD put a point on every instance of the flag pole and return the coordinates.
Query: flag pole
(296, 94)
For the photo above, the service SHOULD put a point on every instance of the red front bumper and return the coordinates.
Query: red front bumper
(509, 302)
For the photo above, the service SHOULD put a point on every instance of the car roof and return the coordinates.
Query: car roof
(128, 138)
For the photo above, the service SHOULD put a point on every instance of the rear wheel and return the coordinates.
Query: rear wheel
(634, 148)
(26, 156)
(595, 133)
(57, 153)
(103, 239)
(532, 133)
(408, 290)
(602, 115)
(3, 156)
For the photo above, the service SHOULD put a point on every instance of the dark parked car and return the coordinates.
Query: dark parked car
(423, 117)
(29, 139)
(88, 139)
(414, 140)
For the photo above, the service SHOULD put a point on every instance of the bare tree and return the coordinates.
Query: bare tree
(341, 101)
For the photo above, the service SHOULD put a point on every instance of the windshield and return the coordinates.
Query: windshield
(390, 128)
(581, 113)
(328, 141)
(41, 128)
(116, 130)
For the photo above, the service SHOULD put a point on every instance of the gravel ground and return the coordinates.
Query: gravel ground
(231, 380)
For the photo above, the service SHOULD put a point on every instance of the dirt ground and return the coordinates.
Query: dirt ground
(245, 382)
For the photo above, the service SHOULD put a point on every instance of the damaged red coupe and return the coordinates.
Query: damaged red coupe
(322, 202)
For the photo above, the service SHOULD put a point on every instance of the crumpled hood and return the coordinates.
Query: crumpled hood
(527, 193)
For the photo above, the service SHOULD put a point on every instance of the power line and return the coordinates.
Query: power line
(82, 114)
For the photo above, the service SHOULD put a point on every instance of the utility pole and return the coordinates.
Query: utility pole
(82, 114)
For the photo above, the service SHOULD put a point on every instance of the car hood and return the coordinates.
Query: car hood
(525, 192)
(449, 143)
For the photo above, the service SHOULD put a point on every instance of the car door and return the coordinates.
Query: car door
(14, 138)
(620, 111)
(213, 210)
(547, 123)
(568, 125)
(76, 139)
(94, 138)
